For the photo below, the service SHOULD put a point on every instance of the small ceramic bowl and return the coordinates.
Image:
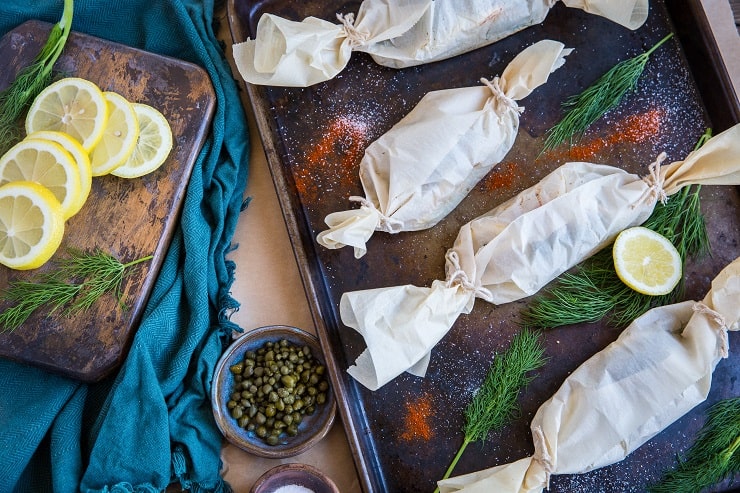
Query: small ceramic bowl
(311, 429)
(294, 477)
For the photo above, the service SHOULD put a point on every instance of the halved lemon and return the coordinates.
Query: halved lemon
(31, 225)
(72, 105)
(76, 151)
(646, 261)
(119, 137)
(48, 164)
(152, 147)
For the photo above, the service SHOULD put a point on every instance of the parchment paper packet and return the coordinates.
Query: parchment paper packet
(658, 369)
(514, 250)
(397, 34)
(419, 171)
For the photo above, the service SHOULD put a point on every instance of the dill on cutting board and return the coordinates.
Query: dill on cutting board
(74, 286)
(714, 456)
(31, 80)
(594, 291)
(582, 110)
(494, 404)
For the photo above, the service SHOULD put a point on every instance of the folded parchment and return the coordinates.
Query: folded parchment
(398, 34)
(658, 369)
(515, 249)
(419, 171)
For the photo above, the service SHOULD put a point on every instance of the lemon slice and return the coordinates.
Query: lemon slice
(646, 261)
(76, 151)
(48, 164)
(153, 146)
(74, 106)
(31, 225)
(119, 137)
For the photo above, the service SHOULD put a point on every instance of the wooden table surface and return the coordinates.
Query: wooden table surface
(269, 288)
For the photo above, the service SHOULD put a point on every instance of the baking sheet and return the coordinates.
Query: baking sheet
(314, 139)
(127, 218)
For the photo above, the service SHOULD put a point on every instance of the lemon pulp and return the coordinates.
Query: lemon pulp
(646, 261)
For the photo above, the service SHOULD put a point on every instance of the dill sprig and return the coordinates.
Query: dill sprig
(581, 110)
(74, 286)
(31, 80)
(594, 291)
(714, 456)
(495, 403)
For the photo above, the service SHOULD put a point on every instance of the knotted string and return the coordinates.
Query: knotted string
(387, 224)
(541, 455)
(718, 319)
(458, 277)
(495, 87)
(354, 36)
(655, 180)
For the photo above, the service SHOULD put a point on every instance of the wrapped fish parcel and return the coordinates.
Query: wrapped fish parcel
(514, 250)
(658, 369)
(419, 171)
(399, 33)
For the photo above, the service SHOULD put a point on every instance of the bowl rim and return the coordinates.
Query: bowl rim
(219, 380)
(290, 466)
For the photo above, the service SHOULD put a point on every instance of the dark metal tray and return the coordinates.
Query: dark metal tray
(314, 139)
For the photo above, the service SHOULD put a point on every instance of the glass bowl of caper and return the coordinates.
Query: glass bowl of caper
(271, 394)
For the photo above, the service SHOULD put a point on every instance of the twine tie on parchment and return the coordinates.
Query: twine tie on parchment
(385, 223)
(718, 319)
(354, 36)
(541, 455)
(655, 181)
(495, 87)
(458, 277)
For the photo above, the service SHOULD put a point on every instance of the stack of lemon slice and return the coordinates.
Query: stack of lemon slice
(74, 132)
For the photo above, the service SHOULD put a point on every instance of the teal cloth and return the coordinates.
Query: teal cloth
(150, 424)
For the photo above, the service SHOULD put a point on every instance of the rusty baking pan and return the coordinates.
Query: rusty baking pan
(404, 435)
(127, 218)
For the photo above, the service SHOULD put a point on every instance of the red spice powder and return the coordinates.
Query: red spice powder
(331, 163)
(633, 129)
(416, 419)
(503, 176)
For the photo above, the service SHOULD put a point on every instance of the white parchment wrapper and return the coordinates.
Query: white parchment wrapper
(658, 369)
(518, 247)
(451, 27)
(419, 171)
(398, 33)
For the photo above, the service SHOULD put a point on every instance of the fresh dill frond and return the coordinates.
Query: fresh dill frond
(594, 291)
(494, 404)
(77, 283)
(582, 110)
(714, 456)
(31, 80)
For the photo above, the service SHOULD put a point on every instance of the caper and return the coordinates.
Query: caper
(276, 385)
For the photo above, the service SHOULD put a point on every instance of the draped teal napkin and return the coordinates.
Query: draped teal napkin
(151, 424)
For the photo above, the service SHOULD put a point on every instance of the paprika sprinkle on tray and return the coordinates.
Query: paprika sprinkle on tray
(416, 419)
(330, 165)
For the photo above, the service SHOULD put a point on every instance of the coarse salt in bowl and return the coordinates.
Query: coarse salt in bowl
(294, 478)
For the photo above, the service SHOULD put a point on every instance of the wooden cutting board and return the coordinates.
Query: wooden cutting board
(128, 219)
